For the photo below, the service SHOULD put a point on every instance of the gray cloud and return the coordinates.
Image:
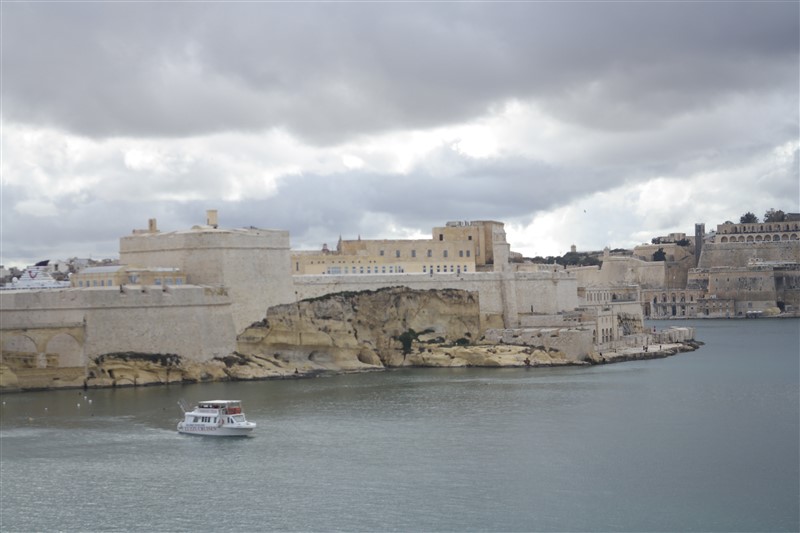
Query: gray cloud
(327, 72)
(123, 111)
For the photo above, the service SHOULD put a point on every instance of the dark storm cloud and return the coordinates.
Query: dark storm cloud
(328, 71)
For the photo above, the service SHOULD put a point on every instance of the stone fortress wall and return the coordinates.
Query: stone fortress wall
(543, 293)
(739, 254)
(252, 264)
(234, 275)
(68, 327)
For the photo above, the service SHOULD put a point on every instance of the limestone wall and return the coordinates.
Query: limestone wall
(574, 343)
(544, 292)
(628, 270)
(253, 264)
(740, 253)
(192, 322)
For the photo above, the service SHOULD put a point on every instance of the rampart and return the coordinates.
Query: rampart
(739, 254)
(252, 264)
(70, 327)
(503, 296)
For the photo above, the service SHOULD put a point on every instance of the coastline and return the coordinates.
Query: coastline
(237, 367)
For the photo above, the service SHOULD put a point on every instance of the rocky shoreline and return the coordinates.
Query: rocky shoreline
(139, 370)
(360, 332)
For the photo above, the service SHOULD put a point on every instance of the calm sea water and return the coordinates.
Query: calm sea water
(703, 441)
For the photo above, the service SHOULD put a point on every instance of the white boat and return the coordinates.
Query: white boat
(35, 278)
(216, 418)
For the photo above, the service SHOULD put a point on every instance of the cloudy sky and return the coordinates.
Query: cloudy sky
(588, 123)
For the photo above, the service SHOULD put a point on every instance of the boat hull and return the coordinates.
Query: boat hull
(215, 431)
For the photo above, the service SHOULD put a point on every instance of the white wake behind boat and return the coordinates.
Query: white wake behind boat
(216, 418)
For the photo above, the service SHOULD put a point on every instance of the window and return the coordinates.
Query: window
(381, 254)
(461, 253)
(469, 238)
(413, 253)
(397, 253)
(158, 281)
(441, 237)
(430, 253)
(102, 283)
(444, 254)
(80, 284)
(297, 266)
(178, 281)
(468, 253)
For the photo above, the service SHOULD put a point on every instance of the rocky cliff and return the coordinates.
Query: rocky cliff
(387, 328)
(343, 332)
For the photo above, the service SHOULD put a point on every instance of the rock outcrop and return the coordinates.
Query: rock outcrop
(346, 332)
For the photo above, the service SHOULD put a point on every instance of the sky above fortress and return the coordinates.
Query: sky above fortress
(587, 123)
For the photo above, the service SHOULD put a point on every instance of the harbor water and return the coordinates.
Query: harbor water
(702, 441)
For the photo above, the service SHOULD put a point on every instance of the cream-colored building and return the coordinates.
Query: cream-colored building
(789, 230)
(119, 275)
(456, 248)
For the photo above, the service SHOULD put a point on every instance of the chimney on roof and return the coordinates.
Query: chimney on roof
(211, 218)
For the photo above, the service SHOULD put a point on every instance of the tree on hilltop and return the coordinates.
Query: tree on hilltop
(748, 218)
(774, 216)
(660, 255)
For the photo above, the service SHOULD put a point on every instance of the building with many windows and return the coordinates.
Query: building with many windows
(456, 248)
(118, 275)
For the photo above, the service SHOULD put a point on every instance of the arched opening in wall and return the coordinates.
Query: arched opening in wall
(784, 237)
(776, 238)
(67, 349)
(767, 238)
(793, 237)
(19, 351)
(782, 306)
(759, 238)
(724, 239)
(749, 238)
(741, 239)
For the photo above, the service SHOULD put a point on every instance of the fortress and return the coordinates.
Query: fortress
(193, 293)
(740, 270)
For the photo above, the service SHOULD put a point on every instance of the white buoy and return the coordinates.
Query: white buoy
(79, 404)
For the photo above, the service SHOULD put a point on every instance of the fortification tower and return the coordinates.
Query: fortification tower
(699, 235)
(251, 264)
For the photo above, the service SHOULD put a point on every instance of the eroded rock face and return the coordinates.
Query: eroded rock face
(393, 327)
(364, 329)
(345, 332)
